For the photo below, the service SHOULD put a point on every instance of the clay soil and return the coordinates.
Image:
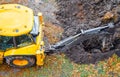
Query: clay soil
(85, 14)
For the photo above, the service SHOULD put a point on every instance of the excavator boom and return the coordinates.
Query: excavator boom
(72, 40)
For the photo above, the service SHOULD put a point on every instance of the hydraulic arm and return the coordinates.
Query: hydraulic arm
(72, 40)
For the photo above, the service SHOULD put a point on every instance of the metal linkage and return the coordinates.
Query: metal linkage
(72, 39)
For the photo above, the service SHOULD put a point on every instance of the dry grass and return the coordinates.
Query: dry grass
(59, 66)
(53, 32)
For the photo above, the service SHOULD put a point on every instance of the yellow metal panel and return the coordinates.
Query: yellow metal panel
(15, 20)
(40, 43)
(27, 50)
(40, 57)
(39, 38)
(1, 56)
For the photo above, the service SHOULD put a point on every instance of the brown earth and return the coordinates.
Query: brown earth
(84, 14)
(71, 19)
(52, 32)
(74, 15)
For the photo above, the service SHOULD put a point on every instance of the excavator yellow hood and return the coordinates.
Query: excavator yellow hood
(15, 20)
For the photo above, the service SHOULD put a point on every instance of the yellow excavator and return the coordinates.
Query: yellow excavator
(21, 43)
(21, 36)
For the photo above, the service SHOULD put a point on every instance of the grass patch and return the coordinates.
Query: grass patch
(60, 66)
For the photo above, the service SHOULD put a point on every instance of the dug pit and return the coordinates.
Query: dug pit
(83, 14)
(93, 51)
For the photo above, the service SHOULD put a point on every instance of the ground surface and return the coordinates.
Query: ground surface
(60, 66)
(84, 14)
(73, 15)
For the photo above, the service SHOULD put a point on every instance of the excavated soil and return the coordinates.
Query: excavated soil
(74, 15)
(84, 14)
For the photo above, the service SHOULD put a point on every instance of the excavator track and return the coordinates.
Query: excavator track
(20, 61)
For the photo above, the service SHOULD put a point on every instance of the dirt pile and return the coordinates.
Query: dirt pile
(84, 14)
